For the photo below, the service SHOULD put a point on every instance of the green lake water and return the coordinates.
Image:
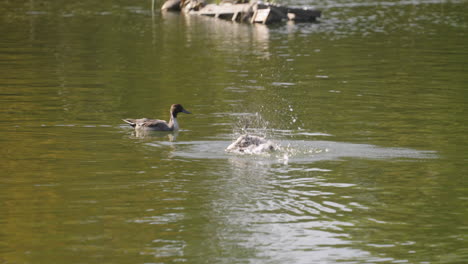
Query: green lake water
(368, 108)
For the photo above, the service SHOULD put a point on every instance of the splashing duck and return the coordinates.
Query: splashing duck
(251, 144)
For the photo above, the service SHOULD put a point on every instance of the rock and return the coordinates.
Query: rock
(171, 5)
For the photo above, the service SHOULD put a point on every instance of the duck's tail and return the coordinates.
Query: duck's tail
(130, 122)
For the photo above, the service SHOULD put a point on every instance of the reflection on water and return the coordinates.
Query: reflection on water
(139, 133)
(227, 34)
(276, 207)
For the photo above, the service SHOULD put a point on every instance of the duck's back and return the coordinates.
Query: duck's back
(148, 124)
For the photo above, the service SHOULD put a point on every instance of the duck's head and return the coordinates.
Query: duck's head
(178, 108)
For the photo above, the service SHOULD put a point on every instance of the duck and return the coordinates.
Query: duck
(156, 124)
(251, 144)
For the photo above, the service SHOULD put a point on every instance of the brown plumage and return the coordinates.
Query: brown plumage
(156, 124)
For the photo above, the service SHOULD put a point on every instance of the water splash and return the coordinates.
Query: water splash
(250, 144)
(293, 151)
(253, 124)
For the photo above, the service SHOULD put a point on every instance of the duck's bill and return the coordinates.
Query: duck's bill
(185, 111)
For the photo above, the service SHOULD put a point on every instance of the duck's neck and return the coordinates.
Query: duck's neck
(173, 124)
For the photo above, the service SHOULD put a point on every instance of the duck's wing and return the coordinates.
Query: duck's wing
(155, 124)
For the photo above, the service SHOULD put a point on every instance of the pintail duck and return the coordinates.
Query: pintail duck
(159, 125)
(252, 145)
